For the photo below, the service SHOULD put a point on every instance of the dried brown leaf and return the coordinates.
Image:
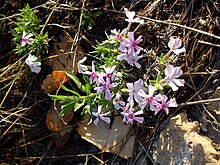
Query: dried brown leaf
(55, 122)
(52, 82)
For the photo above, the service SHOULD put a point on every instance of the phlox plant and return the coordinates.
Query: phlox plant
(106, 87)
(29, 39)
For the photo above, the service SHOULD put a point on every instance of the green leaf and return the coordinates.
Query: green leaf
(69, 90)
(64, 98)
(79, 105)
(87, 85)
(67, 107)
(86, 109)
(76, 80)
(88, 88)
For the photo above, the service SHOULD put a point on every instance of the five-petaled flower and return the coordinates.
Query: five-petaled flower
(82, 68)
(131, 116)
(174, 44)
(118, 103)
(118, 35)
(93, 74)
(132, 44)
(164, 103)
(102, 116)
(130, 17)
(32, 62)
(26, 39)
(148, 99)
(172, 73)
(133, 89)
(109, 72)
(106, 86)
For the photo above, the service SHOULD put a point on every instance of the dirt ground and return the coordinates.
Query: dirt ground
(24, 135)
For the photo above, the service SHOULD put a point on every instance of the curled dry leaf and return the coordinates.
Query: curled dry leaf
(55, 122)
(118, 139)
(52, 82)
(59, 124)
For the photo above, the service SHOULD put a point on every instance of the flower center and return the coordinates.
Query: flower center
(93, 75)
(119, 36)
(163, 106)
(133, 43)
(109, 75)
(127, 54)
(106, 86)
(24, 39)
(150, 99)
(131, 116)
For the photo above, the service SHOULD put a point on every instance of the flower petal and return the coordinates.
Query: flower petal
(173, 86)
(179, 82)
(177, 72)
(178, 51)
(140, 112)
(105, 119)
(96, 121)
(169, 70)
(139, 119)
(108, 95)
(172, 103)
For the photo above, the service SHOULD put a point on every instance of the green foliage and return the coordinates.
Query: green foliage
(28, 22)
(77, 101)
(89, 19)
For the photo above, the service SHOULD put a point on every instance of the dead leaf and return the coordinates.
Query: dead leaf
(60, 58)
(109, 139)
(55, 122)
(52, 82)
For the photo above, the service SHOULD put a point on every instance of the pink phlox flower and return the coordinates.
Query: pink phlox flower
(82, 68)
(125, 56)
(132, 44)
(131, 59)
(131, 116)
(133, 89)
(118, 103)
(130, 15)
(93, 74)
(165, 104)
(172, 73)
(148, 99)
(126, 110)
(26, 38)
(110, 72)
(106, 86)
(101, 116)
(174, 44)
(118, 35)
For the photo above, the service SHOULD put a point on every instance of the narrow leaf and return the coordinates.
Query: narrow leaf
(76, 80)
(66, 108)
(69, 90)
(79, 105)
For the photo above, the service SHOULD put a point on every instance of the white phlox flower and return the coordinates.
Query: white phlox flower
(130, 15)
(82, 68)
(174, 44)
(101, 116)
(32, 62)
